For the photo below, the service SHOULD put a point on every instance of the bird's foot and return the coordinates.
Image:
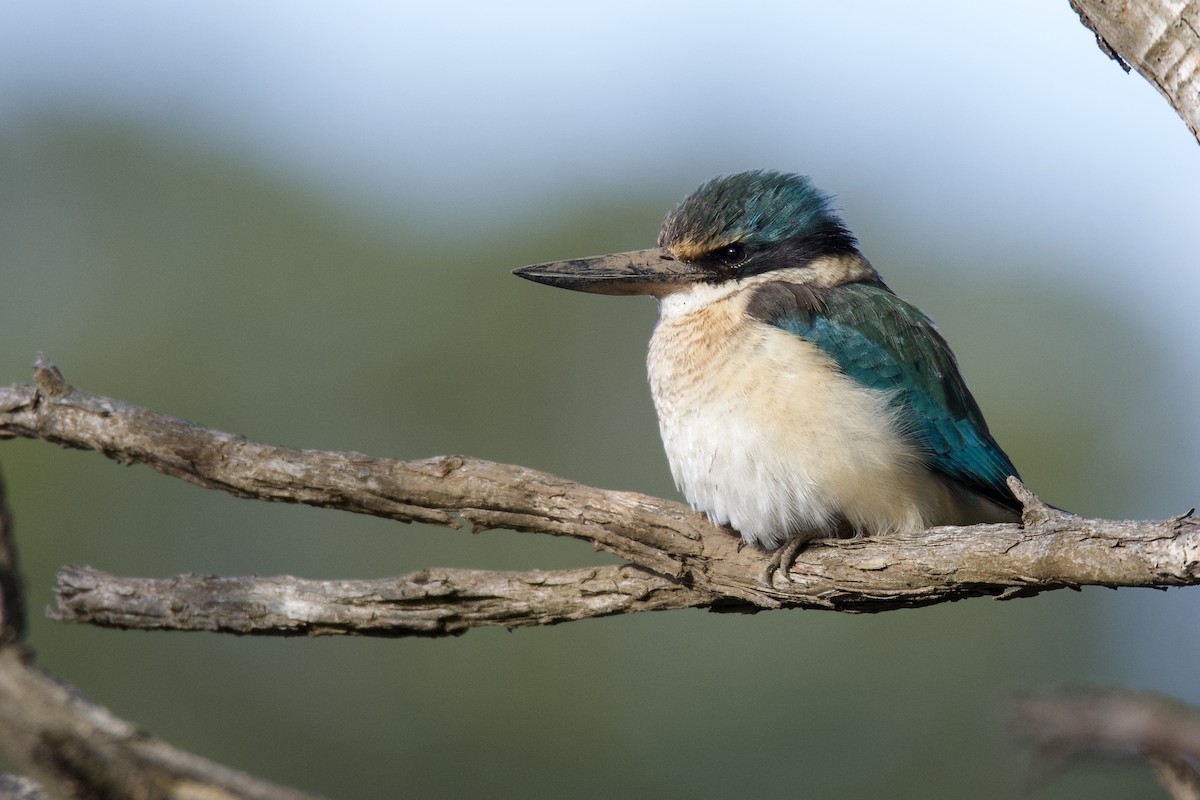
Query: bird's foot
(785, 556)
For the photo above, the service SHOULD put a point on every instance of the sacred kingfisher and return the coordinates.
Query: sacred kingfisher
(797, 396)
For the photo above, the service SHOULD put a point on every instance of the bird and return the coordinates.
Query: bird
(798, 397)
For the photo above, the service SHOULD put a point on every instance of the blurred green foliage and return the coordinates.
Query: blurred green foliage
(192, 282)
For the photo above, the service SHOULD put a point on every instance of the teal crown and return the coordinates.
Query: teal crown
(757, 209)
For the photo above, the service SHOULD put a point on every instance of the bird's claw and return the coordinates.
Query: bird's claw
(784, 557)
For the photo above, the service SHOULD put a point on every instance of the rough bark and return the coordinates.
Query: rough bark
(1158, 38)
(677, 558)
(434, 602)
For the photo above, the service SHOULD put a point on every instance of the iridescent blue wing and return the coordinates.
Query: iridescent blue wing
(883, 342)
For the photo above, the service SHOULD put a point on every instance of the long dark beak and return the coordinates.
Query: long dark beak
(651, 271)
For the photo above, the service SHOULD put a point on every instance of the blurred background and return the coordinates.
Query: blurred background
(295, 221)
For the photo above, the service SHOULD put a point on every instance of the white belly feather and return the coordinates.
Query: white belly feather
(765, 434)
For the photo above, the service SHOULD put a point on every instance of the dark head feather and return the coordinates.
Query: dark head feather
(757, 210)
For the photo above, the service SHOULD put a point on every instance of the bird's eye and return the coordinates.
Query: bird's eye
(730, 255)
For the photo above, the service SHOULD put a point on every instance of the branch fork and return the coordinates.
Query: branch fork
(675, 557)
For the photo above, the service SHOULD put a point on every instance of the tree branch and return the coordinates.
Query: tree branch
(12, 589)
(1122, 724)
(679, 559)
(435, 602)
(75, 748)
(1160, 39)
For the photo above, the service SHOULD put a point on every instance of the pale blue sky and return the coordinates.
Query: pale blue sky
(1008, 119)
(964, 129)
